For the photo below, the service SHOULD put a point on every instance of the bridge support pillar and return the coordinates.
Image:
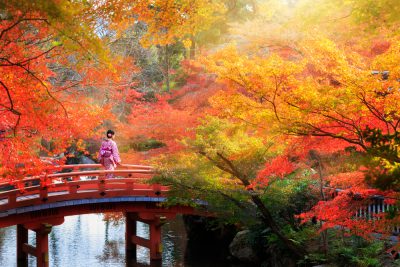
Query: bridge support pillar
(155, 240)
(130, 230)
(42, 245)
(41, 251)
(22, 238)
(153, 243)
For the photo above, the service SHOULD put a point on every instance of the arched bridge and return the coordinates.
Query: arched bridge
(45, 200)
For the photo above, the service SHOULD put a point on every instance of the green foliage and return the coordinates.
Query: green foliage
(313, 259)
(383, 158)
(355, 251)
(344, 251)
(146, 145)
(303, 234)
(391, 212)
(288, 197)
(384, 145)
(217, 139)
(192, 179)
(204, 170)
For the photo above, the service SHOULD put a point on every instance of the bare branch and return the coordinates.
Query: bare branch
(45, 86)
(24, 62)
(208, 190)
(219, 166)
(18, 22)
(235, 171)
(11, 108)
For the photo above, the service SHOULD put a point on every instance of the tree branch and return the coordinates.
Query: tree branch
(18, 22)
(22, 63)
(219, 166)
(45, 86)
(226, 196)
(235, 171)
(11, 108)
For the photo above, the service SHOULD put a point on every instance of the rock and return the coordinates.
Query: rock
(86, 160)
(241, 248)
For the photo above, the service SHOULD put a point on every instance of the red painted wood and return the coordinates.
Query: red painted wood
(48, 215)
(12, 198)
(155, 241)
(29, 249)
(130, 231)
(38, 225)
(41, 251)
(42, 245)
(139, 173)
(22, 238)
(140, 241)
(59, 187)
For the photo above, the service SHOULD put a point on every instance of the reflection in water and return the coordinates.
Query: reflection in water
(87, 240)
(2, 233)
(111, 252)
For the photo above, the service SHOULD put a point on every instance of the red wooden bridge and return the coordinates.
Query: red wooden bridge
(45, 200)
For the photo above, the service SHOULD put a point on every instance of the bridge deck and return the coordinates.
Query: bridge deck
(64, 189)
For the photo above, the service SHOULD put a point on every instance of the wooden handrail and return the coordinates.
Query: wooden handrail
(136, 169)
(132, 183)
(82, 166)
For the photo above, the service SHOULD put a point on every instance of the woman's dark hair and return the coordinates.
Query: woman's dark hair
(110, 133)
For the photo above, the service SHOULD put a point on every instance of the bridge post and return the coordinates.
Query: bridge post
(22, 238)
(155, 240)
(130, 230)
(42, 245)
(41, 251)
(153, 243)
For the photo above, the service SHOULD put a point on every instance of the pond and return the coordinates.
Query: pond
(88, 240)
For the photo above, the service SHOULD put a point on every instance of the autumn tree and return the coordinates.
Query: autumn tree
(220, 165)
(43, 48)
(167, 118)
(326, 95)
(314, 85)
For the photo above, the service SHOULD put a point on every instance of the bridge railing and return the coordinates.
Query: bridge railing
(75, 184)
(371, 207)
(53, 172)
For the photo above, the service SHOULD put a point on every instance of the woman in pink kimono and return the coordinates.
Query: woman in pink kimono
(108, 154)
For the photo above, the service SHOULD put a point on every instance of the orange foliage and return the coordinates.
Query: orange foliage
(347, 180)
(279, 167)
(161, 121)
(171, 117)
(34, 107)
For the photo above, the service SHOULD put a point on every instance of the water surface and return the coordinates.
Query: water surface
(87, 240)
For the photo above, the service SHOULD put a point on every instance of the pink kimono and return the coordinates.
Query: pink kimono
(109, 155)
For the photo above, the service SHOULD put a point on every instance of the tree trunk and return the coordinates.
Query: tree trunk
(266, 216)
(167, 82)
(192, 55)
(324, 234)
(270, 222)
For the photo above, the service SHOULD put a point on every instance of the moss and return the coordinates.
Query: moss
(146, 145)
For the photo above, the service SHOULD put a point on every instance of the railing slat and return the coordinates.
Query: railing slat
(69, 185)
